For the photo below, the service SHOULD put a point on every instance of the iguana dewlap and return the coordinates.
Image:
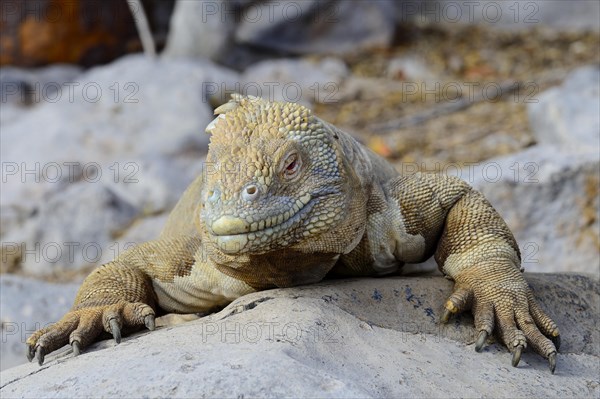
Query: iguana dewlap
(288, 199)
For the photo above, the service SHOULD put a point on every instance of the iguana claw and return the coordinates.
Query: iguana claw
(149, 322)
(40, 353)
(115, 330)
(445, 316)
(76, 348)
(552, 361)
(30, 352)
(517, 355)
(481, 340)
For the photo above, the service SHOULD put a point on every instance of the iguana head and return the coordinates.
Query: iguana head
(274, 177)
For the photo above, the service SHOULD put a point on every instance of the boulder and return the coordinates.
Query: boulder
(237, 32)
(342, 27)
(567, 116)
(346, 338)
(22, 88)
(31, 86)
(73, 229)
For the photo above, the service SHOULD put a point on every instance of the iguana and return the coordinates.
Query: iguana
(288, 199)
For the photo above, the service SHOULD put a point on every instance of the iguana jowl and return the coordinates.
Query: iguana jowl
(287, 199)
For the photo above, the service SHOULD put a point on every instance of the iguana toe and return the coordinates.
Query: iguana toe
(458, 302)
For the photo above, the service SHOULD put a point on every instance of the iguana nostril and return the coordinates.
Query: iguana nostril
(250, 192)
(213, 195)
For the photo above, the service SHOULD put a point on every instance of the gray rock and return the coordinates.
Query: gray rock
(34, 86)
(550, 198)
(25, 306)
(74, 228)
(549, 194)
(292, 80)
(135, 126)
(349, 338)
(568, 116)
(21, 88)
(223, 30)
(341, 26)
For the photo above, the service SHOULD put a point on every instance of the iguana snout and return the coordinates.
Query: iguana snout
(241, 226)
(227, 225)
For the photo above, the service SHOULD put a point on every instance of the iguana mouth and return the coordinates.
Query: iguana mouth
(235, 241)
(234, 234)
(233, 225)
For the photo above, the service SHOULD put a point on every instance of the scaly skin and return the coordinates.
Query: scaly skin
(287, 199)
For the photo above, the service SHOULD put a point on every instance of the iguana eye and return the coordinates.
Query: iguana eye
(291, 166)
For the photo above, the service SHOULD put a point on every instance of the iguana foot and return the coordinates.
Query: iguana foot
(512, 310)
(81, 327)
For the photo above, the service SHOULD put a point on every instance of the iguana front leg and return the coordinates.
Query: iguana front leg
(117, 296)
(475, 247)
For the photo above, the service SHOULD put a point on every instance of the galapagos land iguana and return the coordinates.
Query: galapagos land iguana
(288, 199)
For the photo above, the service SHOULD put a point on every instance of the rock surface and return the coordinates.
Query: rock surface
(25, 306)
(29, 86)
(567, 116)
(347, 338)
(229, 29)
(550, 198)
(342, 27)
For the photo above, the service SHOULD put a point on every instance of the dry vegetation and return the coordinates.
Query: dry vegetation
(463, 60)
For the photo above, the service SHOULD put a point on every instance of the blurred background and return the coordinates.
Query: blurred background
(104, 105)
